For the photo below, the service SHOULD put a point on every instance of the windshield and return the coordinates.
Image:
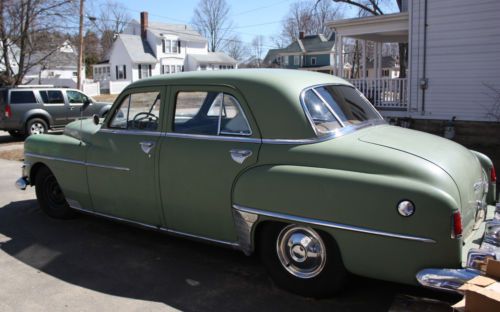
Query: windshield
(332, 107)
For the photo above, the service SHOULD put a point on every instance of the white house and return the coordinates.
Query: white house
(58, 67)
(146, 49)
(453, 59)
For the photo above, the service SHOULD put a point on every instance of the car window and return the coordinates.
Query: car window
(75, 97)
(22, 97)
(138, 111)
(52, 97)
(209, 113)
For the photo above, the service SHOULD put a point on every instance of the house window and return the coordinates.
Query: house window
(179, 68)
(313, 60)
(165, 69)
(121, 72)
(171, 46)
(296, 60)
(385, 73)
(203, 67)
(74, 74)
(285, 60)
(144, 70)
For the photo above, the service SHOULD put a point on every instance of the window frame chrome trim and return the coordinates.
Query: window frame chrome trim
(130, 132)
(331, 225)
(77, 162)
(212, 137)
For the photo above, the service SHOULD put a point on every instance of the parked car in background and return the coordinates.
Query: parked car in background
(34, 110)
(298, 166)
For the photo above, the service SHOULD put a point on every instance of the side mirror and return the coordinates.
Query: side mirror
(95, 119)
(86, 104)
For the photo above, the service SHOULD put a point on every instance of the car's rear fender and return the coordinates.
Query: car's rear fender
(37, 113)
(359, 211)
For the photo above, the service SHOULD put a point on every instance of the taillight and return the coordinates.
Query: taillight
(493, 174)
(457, 225)
(8, 111)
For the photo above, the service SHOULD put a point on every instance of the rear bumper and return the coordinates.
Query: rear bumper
(486, 245)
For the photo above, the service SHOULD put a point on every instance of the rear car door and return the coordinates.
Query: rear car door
(210, 141)
(53, 102)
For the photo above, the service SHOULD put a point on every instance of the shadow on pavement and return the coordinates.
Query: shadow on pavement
(125, 261)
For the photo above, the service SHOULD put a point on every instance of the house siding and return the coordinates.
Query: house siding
(321, 60)
(463, 55)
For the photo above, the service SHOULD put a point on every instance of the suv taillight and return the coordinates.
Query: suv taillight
(8, 111)
(493, 175)
(457, 225)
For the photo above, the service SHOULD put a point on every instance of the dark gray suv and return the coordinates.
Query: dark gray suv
(27, 111)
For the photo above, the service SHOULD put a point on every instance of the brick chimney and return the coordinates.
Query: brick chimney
(301, 35)
(144, 25)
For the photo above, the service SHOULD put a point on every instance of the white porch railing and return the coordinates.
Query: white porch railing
(384, 93)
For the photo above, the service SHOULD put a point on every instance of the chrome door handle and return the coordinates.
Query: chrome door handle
(72, 108)
(239, 155)
(147, 146)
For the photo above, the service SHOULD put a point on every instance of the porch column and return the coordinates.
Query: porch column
(363, 58)
(379, 60)
(339, 56)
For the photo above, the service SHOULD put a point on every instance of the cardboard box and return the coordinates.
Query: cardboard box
(482, 293)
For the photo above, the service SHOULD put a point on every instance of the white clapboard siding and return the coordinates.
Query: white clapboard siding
(463, 54)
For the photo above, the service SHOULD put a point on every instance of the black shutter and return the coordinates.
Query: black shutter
(140, 73)
(149, 70)
(179, 46)
(125, 72)
(163, 45)
(116, 72)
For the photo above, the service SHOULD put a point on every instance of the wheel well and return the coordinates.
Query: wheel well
(44, 118)
(34, 170)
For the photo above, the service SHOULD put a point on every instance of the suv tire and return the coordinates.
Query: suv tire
(36, 126)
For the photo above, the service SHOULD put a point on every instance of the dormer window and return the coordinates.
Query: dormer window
(171, 46)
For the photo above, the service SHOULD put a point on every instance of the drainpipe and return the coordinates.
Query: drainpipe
(424, 81)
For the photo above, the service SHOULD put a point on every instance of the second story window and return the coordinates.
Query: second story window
(171, 46)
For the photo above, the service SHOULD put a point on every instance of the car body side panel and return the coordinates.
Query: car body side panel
(362, 200)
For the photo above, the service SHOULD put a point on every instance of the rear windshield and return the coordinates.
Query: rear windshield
(332, 107)
(22, 97)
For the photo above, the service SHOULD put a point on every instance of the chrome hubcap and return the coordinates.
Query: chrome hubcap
(37, 128)
(301, 251)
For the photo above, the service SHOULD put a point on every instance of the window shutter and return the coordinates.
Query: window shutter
(116, 72)
(163, 45)
(149, 70)
(125, 72)
(179, 46)
(140, 71)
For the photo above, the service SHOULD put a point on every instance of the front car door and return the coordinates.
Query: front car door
(211, 139)
(122, 157)
(75, 102)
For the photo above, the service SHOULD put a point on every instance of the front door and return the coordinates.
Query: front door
(75, 102)
(209, 143)
(122, 155)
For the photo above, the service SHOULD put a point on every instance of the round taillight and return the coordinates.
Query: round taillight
(493, 174)
(457, 224)
(406, 208)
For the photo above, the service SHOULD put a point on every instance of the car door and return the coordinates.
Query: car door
(75, 102)
(53, 102)
(210, 141)
(122, 155)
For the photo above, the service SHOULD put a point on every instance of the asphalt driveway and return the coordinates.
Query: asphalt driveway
(91, 264)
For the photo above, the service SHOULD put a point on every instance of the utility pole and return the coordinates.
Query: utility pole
(80, 50)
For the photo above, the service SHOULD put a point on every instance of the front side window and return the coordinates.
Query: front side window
(332, 107)
(209, 113)
(75, 97)
(138, 111)
(22, 97)
(52, 97)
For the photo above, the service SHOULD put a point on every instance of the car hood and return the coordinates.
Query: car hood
(457, 161)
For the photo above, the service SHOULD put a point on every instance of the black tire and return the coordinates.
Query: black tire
(324, 283)
(17, 134)
(50, 196)
(36, 126)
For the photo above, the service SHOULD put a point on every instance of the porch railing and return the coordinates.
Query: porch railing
(384, 93)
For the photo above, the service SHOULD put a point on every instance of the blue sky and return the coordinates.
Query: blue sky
(245, 14)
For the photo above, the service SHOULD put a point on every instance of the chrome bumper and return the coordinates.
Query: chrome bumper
(22, 183)
(452, 279)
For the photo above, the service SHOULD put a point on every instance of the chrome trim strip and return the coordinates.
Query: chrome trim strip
(212, 137)
(158, 228)
(331, 224)
(77, 162)
(327, 106)
(131, 132)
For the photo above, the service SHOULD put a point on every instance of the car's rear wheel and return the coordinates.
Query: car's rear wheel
(36, 126)
(302, 260)
(50, 196)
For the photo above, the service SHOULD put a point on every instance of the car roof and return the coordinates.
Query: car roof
(273, 95)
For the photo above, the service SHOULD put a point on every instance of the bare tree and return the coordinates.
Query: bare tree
(236, 48)
(211, 19)
(112, 19)
(258, 49)
(26, 28)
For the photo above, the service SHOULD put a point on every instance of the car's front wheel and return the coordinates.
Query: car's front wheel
(302, 260)
(50, 196)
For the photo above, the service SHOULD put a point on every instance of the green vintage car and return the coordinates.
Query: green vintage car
(296, 166)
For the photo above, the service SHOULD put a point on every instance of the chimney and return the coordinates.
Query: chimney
(144, 25)
(301, 35)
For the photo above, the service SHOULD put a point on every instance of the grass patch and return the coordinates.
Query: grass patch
(14, 154)
(105, 97)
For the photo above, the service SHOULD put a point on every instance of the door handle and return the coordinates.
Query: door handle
(239, 155)
(147, 146)
(72, 108)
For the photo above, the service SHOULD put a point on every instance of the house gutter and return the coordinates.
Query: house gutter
(424, 80)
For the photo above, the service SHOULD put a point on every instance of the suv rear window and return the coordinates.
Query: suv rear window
(52, 97)
(22, 97)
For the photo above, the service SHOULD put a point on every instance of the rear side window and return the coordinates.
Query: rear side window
(22, 97)
(52, 97)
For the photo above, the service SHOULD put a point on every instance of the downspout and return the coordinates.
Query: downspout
(424, 80)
